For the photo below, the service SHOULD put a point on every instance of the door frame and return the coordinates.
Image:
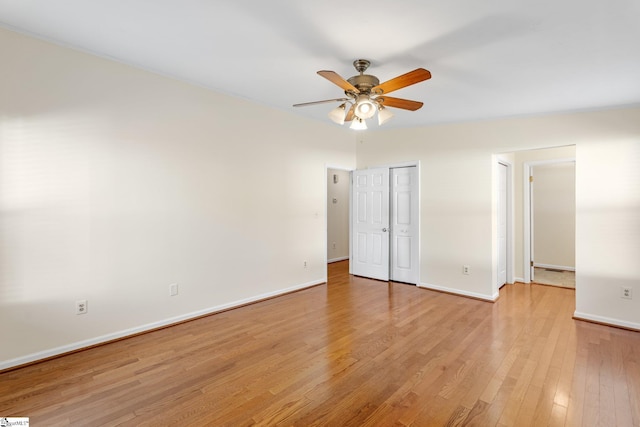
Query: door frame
(510, 222)
(528, 212)
(415, 163)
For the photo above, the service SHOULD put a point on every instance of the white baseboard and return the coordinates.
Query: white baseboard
(606, 320)
(41, 355)
(329, 261)
(555, 267)
(484, 297)
(520, 279)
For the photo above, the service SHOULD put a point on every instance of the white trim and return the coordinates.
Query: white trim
(350, 222)
(555, 267)
(526, 223)
(34, 357)
(511, 235)
(606, 320)
(518, 279)
(329, 261)
(510, 222)
(484, 297)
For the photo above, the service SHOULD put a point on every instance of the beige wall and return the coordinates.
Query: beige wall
(608, 224)
(337, 215)
(115, 183)
(458, 200)
(554, 215)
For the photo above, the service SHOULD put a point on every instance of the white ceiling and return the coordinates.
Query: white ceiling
(488, 58)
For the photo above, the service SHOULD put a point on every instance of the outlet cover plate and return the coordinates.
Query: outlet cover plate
(626, 293)
(81, 306)
(173, 289)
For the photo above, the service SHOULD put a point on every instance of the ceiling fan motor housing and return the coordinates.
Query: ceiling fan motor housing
(364, 82)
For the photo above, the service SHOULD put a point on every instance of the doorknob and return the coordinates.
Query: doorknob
(384, 230)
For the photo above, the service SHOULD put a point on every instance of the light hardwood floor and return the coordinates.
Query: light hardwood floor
(564, 278)
(355, 352)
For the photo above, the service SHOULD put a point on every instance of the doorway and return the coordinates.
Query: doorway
(337, 206)
(552, 222)
(531, 161)
(519, 218)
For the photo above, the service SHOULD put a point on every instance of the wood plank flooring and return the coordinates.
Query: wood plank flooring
(355, 352)
(564, 278)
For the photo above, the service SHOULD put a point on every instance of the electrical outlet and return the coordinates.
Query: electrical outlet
(173, 289)
(334, 245)
(626, 293)
(81, 306)
(305, 264)
(466, 269)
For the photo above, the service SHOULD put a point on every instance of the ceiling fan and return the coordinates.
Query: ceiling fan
(365, 95)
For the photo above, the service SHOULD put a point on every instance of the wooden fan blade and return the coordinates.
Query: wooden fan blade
(334, 78)
(304, 104)
(412, 77)
(405, 104)
(350, 114)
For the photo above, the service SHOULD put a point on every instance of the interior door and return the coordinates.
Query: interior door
(370, 223)
(502, 224)
(531, 223)
(404, 225)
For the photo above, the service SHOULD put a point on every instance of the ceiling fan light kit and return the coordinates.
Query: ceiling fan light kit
(384, 115)
(358, 124)
(339, 113)
(364, 95)
(365, 108)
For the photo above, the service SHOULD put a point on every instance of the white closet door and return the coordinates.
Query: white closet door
(370, 223)
(502, 225)
(404, 225)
